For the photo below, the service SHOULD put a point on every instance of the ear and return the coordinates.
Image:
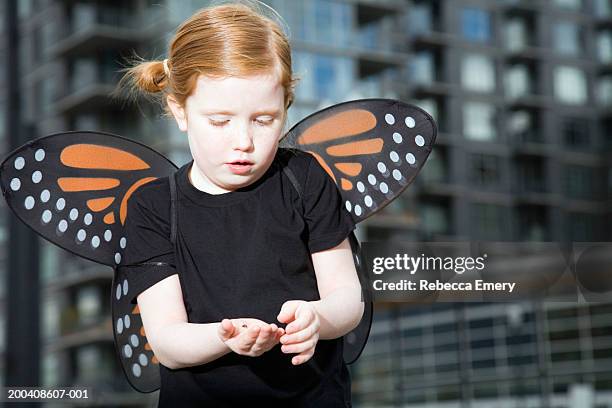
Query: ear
(178, 112)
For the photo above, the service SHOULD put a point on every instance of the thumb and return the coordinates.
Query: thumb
(226, 329)
(287, 311)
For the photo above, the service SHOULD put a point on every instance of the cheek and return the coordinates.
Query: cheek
(202, 150)
(269, 137)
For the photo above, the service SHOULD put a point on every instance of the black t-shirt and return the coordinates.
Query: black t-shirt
(243, 254)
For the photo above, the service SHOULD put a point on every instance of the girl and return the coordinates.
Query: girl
(251, 254)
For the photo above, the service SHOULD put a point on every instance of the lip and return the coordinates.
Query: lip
(237, 168)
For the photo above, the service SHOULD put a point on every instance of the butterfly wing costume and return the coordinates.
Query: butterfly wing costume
(72, 188)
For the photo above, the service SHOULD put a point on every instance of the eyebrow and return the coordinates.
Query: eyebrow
(270, 112)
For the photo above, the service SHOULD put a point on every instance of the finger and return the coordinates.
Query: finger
(300, 336)
(250, 336)
(300, 323)
(287, 312)
(265, 334)
(302, 358)
(279, 333)
(298, 347)
(226, 329)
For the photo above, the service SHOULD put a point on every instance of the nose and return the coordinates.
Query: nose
(243, 139)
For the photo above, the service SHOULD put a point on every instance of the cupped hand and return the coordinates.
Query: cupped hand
(249, 337)
(302, 332)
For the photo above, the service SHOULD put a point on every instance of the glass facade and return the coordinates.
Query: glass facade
(602, 8)
(513, 112)
(477, 73)
(518, 81)
(567, 37)
(604, 46)
(517, 33)
(570, 85)
(476, 24)
(573, 5)
(479, 121)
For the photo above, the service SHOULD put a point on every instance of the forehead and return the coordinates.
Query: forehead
(237, 93)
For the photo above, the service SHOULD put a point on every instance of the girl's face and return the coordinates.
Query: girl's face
(233, 126)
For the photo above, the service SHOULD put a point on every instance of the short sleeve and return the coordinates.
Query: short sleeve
(328, 221)
(148, 256)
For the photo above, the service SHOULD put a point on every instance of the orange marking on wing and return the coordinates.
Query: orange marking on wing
(362, 147)
(343, 124)
(350, 169)
(142, 332)
(136, 310)
(90, 156)
(147, 346)
(327, 169)
(70, 184)
(154, 360)
(99, 204)
(128, 194)
(346, 184)
(109, 218)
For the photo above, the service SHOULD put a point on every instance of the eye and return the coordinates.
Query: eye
(218, 123)
(264, 122)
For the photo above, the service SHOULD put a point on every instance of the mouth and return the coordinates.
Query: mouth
(241, 163)
(240, 166)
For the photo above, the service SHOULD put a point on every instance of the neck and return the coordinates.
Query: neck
(202, 183)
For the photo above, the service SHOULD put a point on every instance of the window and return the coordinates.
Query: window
(602, 8)
(430, 106)
(531, 174)
(83, 73)
(582, 227)
(532, 227)
(570, 85)
(518, 81)
(573, 5)
(423, 16)
(523, 127)
(580, 182)
(604, 90)
(323, 77)
(83, 16)
(2, 119)
(477, 73)
(88, 362)
(576, 132)
(485, 170)
(323, 20)
(476, 24)
(517, 33)
(45, 95)
(567, 38)
(436, 218)
(604, 46)
(51, 370)
(51, 318)
(36, 39)
(436, 170)
(88, 305)
(423, 67)
(488, 222)
(479, 121)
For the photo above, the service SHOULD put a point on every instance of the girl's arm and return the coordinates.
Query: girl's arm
(340, 308)
(337, 312)
(178, 344)
(175, 342)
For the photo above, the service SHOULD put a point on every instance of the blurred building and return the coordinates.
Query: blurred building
(522, 93)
